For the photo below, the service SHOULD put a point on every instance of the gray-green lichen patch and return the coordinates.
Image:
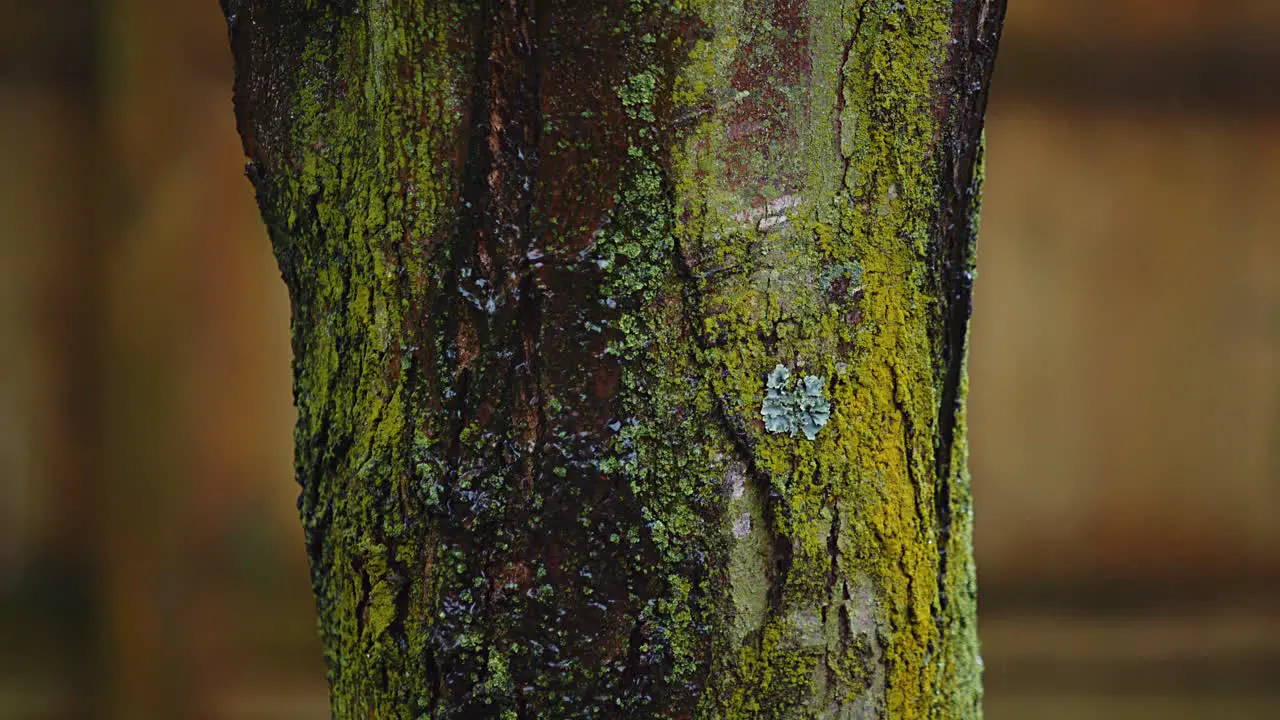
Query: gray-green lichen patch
(791, 408)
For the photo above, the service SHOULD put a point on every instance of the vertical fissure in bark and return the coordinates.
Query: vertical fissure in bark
(843, 143)
(744, 447)
(909, 446)
(362, 601)
(835, 600)
(975, 25)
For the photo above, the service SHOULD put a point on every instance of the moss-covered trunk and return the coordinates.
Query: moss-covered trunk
(629, 348)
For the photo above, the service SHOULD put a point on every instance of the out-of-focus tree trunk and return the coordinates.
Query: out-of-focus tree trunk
(545, 259)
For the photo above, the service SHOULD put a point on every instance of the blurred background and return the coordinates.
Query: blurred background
(1125, 405)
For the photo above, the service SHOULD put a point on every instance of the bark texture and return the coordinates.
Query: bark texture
(543, 256)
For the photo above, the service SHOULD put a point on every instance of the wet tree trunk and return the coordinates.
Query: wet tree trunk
(629, 348)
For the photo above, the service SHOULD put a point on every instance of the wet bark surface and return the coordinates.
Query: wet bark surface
(543, 257)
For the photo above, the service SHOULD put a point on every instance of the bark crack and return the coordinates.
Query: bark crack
(976, 25)
(782, 551)
(842, 81)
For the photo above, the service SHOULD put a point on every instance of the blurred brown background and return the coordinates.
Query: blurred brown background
(1125, 397)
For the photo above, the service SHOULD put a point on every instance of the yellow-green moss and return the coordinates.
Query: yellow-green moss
(876, 455)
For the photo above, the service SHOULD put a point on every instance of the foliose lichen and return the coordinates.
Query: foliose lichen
(794, 408)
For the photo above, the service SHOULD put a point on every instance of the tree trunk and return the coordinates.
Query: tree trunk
(629, 348)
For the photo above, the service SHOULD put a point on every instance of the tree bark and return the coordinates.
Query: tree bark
(545, 260)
